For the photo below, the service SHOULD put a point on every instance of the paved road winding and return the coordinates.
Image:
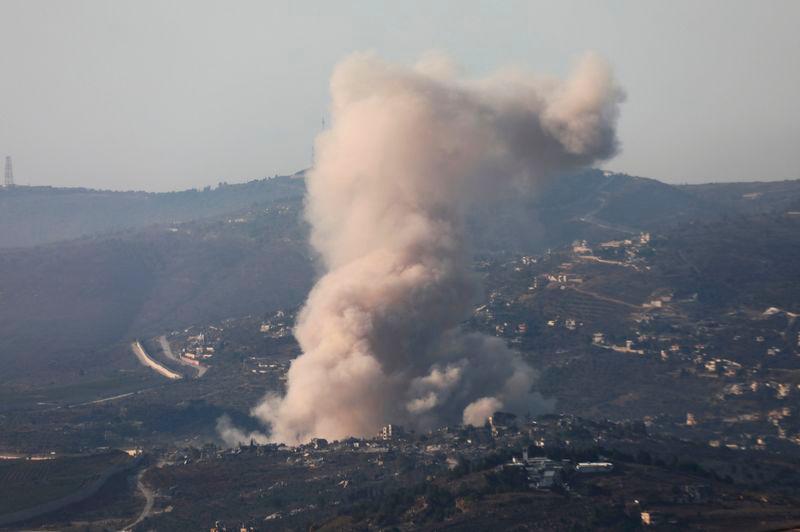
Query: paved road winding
(145, 359)
(149, 497)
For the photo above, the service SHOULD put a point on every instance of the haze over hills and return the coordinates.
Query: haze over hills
(69, 302)
(455, 317)
(66, 306)
(41, 215)
(668, 312)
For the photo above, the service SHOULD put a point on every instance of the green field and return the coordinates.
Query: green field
(27, 398)
(27, 483)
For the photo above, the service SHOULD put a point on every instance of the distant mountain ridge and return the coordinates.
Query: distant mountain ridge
(42, 215)
(562, 209)
(133, 264)
(598, 205)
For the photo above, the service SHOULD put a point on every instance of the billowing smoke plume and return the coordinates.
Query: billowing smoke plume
(409, 152)
(233, 436)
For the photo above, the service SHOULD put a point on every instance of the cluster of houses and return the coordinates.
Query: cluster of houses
(279, 325)
(268, 365)
(542, 473)
(197, 349)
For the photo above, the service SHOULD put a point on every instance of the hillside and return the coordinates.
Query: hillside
(754, 197)
(598, 205)
(64, 306)
(589, 204)
(686, 338)
(40, 215)
(67, 309)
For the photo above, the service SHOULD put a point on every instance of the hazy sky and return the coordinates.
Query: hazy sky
(164, 95)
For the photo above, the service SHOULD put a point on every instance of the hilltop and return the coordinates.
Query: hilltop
(69, 308)
(41, 215)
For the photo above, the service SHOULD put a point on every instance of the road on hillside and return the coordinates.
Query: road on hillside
(146, 360)
(604, 298)
(149, 498)
(589, 217)
(167, 349)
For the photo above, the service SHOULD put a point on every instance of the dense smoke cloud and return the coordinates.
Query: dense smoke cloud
(410, 151)
(233, 436)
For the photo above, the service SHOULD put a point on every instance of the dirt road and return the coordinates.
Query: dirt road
(149, 498)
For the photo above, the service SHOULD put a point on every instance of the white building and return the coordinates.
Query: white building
(594, 467)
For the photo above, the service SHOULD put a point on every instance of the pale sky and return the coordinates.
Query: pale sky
(166, 95)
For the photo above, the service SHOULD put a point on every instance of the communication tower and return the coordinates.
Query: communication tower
(9, 179)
